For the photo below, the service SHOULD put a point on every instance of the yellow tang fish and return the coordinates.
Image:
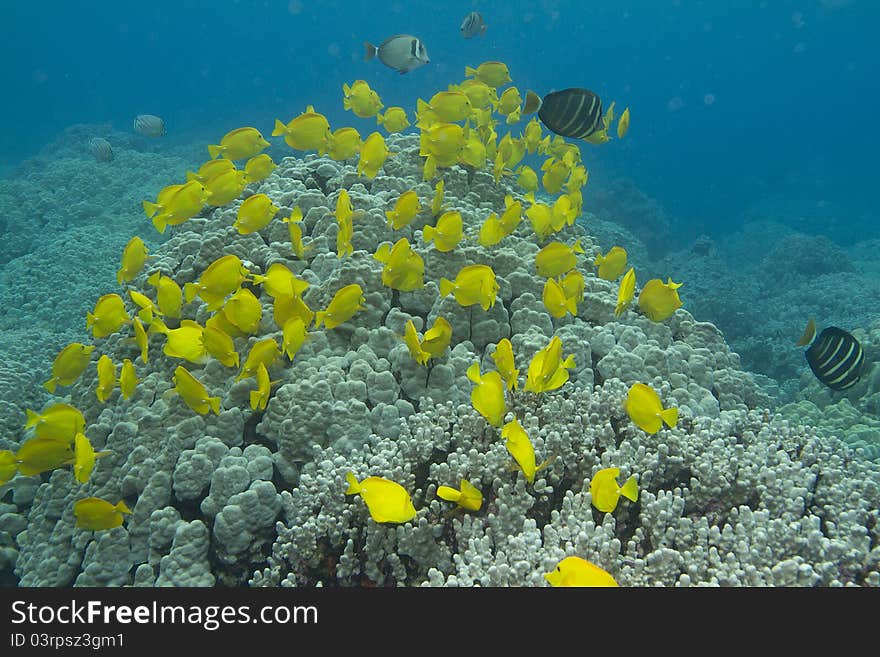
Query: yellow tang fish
(557, 258)
(481, 95)
(238, 144)
(294, 335)
(491, 232)
(69, 364)
(493, 74)
(108, 316)
(625, 292)
(146, 305)
(612, 264)
(219, 345)
(404, 269)
(532, 136)
(345, 303)
(574, 571)
(547, 370)
(555, 300)
(169, 296)
(344, 207)
(344, 235)
(134, 255)
(176, 203)
(254, 214)
(444, 142)
(467, 496)
(512, 215)
(373, 155)
(258, 168)
(521, 449)
(8, 466)
(541, 217)
(555, 174)
(221, 278)
(263, 352)
(473, 153)
(128, 379)
(658, 300)
(244, 310)
(194, 393)
(95, 514)
(503, 357)
(405, 210)
(225, 187)
(437, 338)
(344, 143)
(84, 458)
(279, 281)
(623, 124)
(605, 491)
(260, 396)
(106, 378)
(473, 284)
(393, 120)
(286, 308)
(411, 338)
(43, 454)
(386, 500)
(59, 421)
(361, 99)
(447, 233)
(645, 409)
(487, 397)
(444, 107)
(141, 339)
(183, 342)
(296, 236)
(527, 179)
(220, 321)
(211, 168)
(306, 132)
(510, 101)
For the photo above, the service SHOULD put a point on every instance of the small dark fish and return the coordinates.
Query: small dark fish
(149, 125)
(402, 52)
(472, 25)
(575, 113)
(836, 358)
(101, 149)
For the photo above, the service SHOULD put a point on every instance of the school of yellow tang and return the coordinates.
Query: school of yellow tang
(457, 126)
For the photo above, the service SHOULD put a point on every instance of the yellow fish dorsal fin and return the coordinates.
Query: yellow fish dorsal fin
(599, 259)
(577, 248)
(671, 285)
(310, 109)
(354, 486)
(383, 253)
(809, 334)
(630, 490)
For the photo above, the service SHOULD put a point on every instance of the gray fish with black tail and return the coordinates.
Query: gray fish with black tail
(149, 125)
(836, 357)
(101, 149)
(575, 113)
(472, 25)
(402, 52)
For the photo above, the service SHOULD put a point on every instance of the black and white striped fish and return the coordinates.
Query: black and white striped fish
(472, 25)
(100, 148)
(836, 358)
(149, 125)
(575, 112)
(402, 52)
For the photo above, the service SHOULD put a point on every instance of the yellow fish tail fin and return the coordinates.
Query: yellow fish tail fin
(32, 419)
(122, 507)
(533, 103)
(473, 372)
(346, 103)
(630, 490)
(214, 150)
(279, 129)
(530, 197)
(106, 452)
(809, 334)
(214, 403)
(469, 72)
(568, 363)
(150, 208)
(571, 305)
(190, 176)
(319, 318)
(50, 385)
(189, 291)
(448, 494)
(255, 398)
(119, 274)
(446, 287)
(428, 233)
(159, 223)
(354, 486)
(90, 319)
(158, 326)
(597, 262)
(577, 248)
(670, 416)
(346, 90)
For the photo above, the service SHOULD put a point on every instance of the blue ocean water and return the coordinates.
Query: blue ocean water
(733, 102)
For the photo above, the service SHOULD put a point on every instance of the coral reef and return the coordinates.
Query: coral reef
(731, 496)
